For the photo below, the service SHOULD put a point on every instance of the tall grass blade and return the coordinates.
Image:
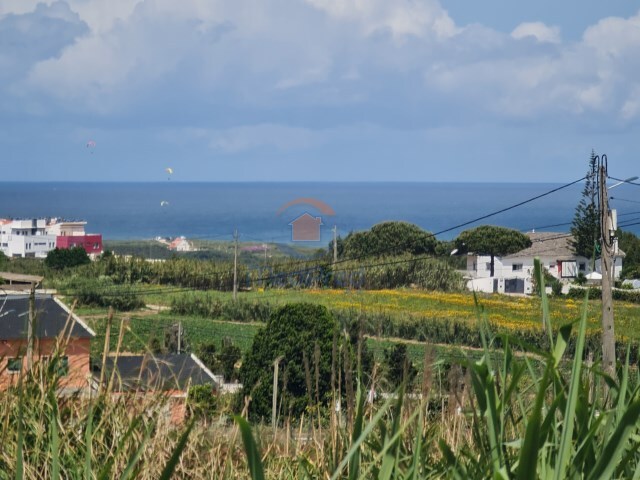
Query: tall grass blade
(390, 461)
(251, 449)
(527, 464)
(354, 463)
(133, 459)
(612, 455)
(88, 444)
(55, 435)
(105, 473)
(566, 439)
(170, 467)
(365, 432)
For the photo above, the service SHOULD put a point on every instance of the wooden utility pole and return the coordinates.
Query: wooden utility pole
(607, 232)
(30, 325)
(179, 337)
(335, 244)
(235, 265)
(107, 346)
(274, 399)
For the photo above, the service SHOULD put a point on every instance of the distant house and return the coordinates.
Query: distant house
(306, 228)
(71, 233)
(25, 238)
(52, 321)
(171, 374)
(514, 273)
(35, 237)
(181, 244)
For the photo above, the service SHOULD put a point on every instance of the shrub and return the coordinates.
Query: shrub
(101, 292)
(60, 258)
(294, 332)
(202, 401)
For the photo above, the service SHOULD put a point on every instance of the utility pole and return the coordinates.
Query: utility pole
(335, 244)
(30, 325)
(235, 265)
(274, 399)
(179, 337)
(607, 239)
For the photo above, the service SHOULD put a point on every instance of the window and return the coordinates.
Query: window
(582, 267)
(568, 269)
(516, 267)
(14, 365)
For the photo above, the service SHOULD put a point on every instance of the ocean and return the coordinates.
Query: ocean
(214, 210)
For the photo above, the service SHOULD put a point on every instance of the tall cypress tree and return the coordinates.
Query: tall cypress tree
(586, 222)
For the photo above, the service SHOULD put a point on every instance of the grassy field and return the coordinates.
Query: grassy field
(509, 313)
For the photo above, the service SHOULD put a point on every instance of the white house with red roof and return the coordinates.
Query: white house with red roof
(181, 244)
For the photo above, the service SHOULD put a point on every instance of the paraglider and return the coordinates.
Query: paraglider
(169, 171)
(164, 203)
(91, 144)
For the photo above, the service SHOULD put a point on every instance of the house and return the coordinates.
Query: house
(181, 244)
(514, 273)
(71, 233)
(306, 228)
(171, 374)
(25, 238)
(37, 237)
(53, 322)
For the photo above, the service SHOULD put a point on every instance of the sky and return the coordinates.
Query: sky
(318, 90)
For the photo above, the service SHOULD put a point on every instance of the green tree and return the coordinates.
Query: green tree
(208, 354)
(585, 227)
(629, 243)
(387, 238)
(292, 332)
(61, 258)
(493, 241)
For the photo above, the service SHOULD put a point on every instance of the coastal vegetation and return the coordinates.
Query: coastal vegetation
(529, 412)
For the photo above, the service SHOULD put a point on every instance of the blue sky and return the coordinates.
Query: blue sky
(318, 90)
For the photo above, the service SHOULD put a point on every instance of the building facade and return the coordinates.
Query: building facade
(58, 335)
(26, 238)
(37, 237)
(514, 273)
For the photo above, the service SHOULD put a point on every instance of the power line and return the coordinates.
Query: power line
(624, 181)
(623, 200)
(283, 275)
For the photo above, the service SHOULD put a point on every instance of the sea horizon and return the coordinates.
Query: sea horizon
(214, 210)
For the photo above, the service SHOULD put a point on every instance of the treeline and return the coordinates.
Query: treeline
(376, 273)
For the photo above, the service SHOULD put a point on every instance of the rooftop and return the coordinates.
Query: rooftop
(159, 372)
(51, 318)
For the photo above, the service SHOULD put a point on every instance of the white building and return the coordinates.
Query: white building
(181, 244)
(514, 273)
(25, 238)
(66, 228)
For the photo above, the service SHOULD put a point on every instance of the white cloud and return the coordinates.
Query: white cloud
(537, 30)
(384, 58)
(400, 17)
